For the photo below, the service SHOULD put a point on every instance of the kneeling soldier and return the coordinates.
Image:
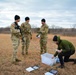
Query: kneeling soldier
(65, 48)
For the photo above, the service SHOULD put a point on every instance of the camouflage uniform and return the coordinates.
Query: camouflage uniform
(15, 34)
(26, 35)
(43, 38)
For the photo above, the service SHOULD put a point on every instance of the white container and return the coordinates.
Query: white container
(47, 59)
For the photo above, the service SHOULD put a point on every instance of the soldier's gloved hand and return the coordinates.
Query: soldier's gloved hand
(40, 32)
(19, 34)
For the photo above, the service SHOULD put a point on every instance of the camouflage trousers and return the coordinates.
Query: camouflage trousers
(15, 42)
(43, 45)
(25, 44)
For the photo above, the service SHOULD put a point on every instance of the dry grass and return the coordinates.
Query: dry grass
(7, 68)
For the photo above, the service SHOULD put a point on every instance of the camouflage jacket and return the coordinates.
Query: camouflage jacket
(15, 32)
(43, 31)
(26, 29)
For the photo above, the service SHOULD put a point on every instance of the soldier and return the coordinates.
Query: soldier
(26, 35)
(65, 49)
(43, 36)
(15, 35)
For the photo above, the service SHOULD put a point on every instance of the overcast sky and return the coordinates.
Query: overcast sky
(56, 12)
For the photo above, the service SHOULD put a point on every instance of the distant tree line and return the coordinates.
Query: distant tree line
(5, 30)
(52, 30)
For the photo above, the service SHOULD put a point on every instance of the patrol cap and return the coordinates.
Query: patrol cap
(55, 38)
(43, 20)
(16, 17)
(27, 18)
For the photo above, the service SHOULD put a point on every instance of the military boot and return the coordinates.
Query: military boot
(14, 61)
(41, 52)
(26, 52)
(18, 60)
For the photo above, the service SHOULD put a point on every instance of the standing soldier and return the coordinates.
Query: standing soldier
(43, 36)
(15, 35)
(26, 35)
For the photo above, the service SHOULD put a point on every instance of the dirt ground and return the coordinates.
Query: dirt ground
(33, 58)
